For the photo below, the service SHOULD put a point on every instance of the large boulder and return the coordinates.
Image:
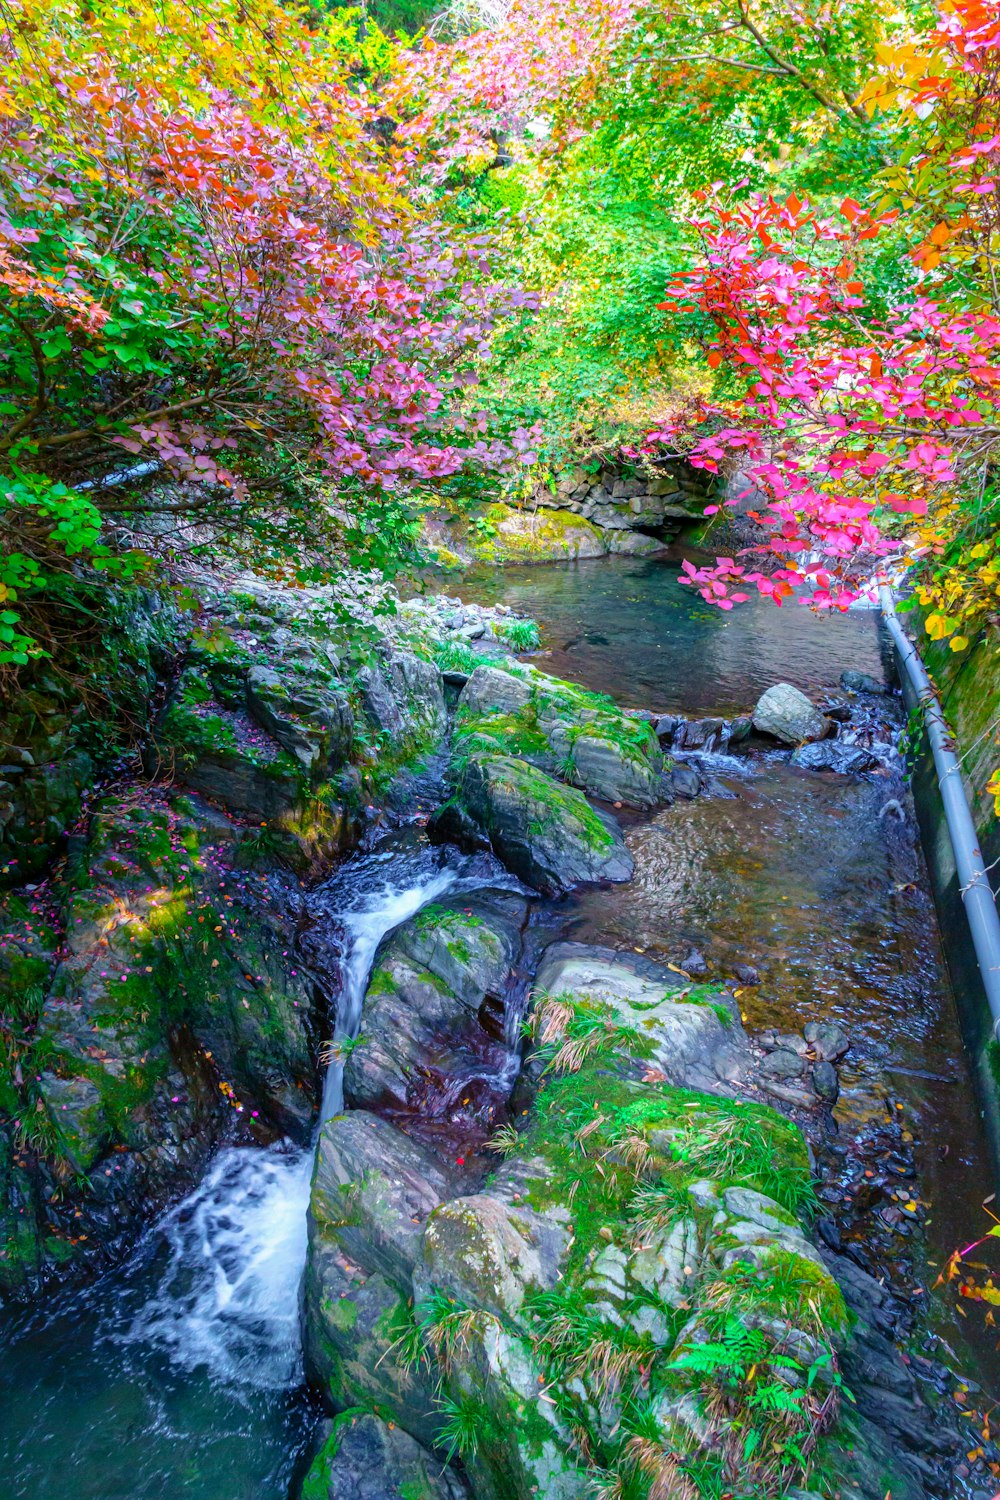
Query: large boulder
(374, 1187)
(314, 724)
(785, 713)
(696, 1042)
(368, 1459)
(545, 833)
(581, 736)
(433, 1013)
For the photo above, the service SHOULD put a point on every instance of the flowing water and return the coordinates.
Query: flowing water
(181, 1372)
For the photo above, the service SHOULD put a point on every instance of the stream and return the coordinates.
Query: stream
(181, 1372)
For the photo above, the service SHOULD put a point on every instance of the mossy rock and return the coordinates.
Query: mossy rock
(506, 536)
(543, 832)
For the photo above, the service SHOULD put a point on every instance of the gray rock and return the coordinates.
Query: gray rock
(826, 1039)
(694, 1047)
(492, 691)
(312, 723)
(418, 686)
(378, 1461)
(685, 781)
(667, 1265)
(487, 1253)
(834, 755)
(825, 1082)
(695, 734)
(353, 1327)
(381, 705)
(782, 1064)
(546, 834)
(605, 768)
(785, 713)
(372, 1190)
(635, 543)
(861, 682)
(425, 994)
(74, 1105)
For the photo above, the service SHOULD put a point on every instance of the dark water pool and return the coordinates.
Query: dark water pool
(628, 627)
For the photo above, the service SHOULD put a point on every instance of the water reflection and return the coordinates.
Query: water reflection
(628, 627)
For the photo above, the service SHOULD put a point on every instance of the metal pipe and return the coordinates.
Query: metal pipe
(974, 882)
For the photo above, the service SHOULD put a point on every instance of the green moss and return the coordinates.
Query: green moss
(316, 1485)
(504, 535)
(504, 734)
(381, 983)
(342, 1312)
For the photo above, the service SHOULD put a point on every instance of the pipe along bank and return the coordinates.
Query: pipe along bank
(973, 880)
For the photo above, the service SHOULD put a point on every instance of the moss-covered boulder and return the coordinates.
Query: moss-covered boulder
(365, 1458)
(161, 1004)
(694, 1034)
(636, 1278)
(433, 1013)
(582, 737)
(545, 833)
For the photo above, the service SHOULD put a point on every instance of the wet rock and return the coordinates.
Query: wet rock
(740, 728)
(788, 1093)
(834, 755)
(694, 1046)
(694, 963)
(562, 729)
(373, 1188)
(75, 1107)
(601, 765)
(825, 1082)
(422, 1012)
(826, 1039)
(546, 834)
(782, 1064)
(696, 734)
(353, 1326)
(747, 974)
(785, 713)
(665, 725)
(854, 681)
(368, 1459)
(686, 781)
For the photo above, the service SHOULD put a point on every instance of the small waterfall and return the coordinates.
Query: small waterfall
(228, 1299)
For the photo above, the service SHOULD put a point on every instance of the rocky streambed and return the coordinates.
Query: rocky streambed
(608, 1191)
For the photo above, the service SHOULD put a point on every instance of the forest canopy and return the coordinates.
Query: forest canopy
(276, 281)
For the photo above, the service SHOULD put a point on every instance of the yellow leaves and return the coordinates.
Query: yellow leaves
(959, 643)
(993, 790)
(937, 626)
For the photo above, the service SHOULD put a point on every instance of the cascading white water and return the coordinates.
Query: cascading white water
(228, 1297)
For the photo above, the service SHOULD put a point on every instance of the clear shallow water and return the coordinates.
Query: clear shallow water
(627, 627)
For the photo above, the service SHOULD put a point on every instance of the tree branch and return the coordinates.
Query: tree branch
(10, 437)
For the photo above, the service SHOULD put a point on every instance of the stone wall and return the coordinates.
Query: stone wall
(660, 499)
(969, 683)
